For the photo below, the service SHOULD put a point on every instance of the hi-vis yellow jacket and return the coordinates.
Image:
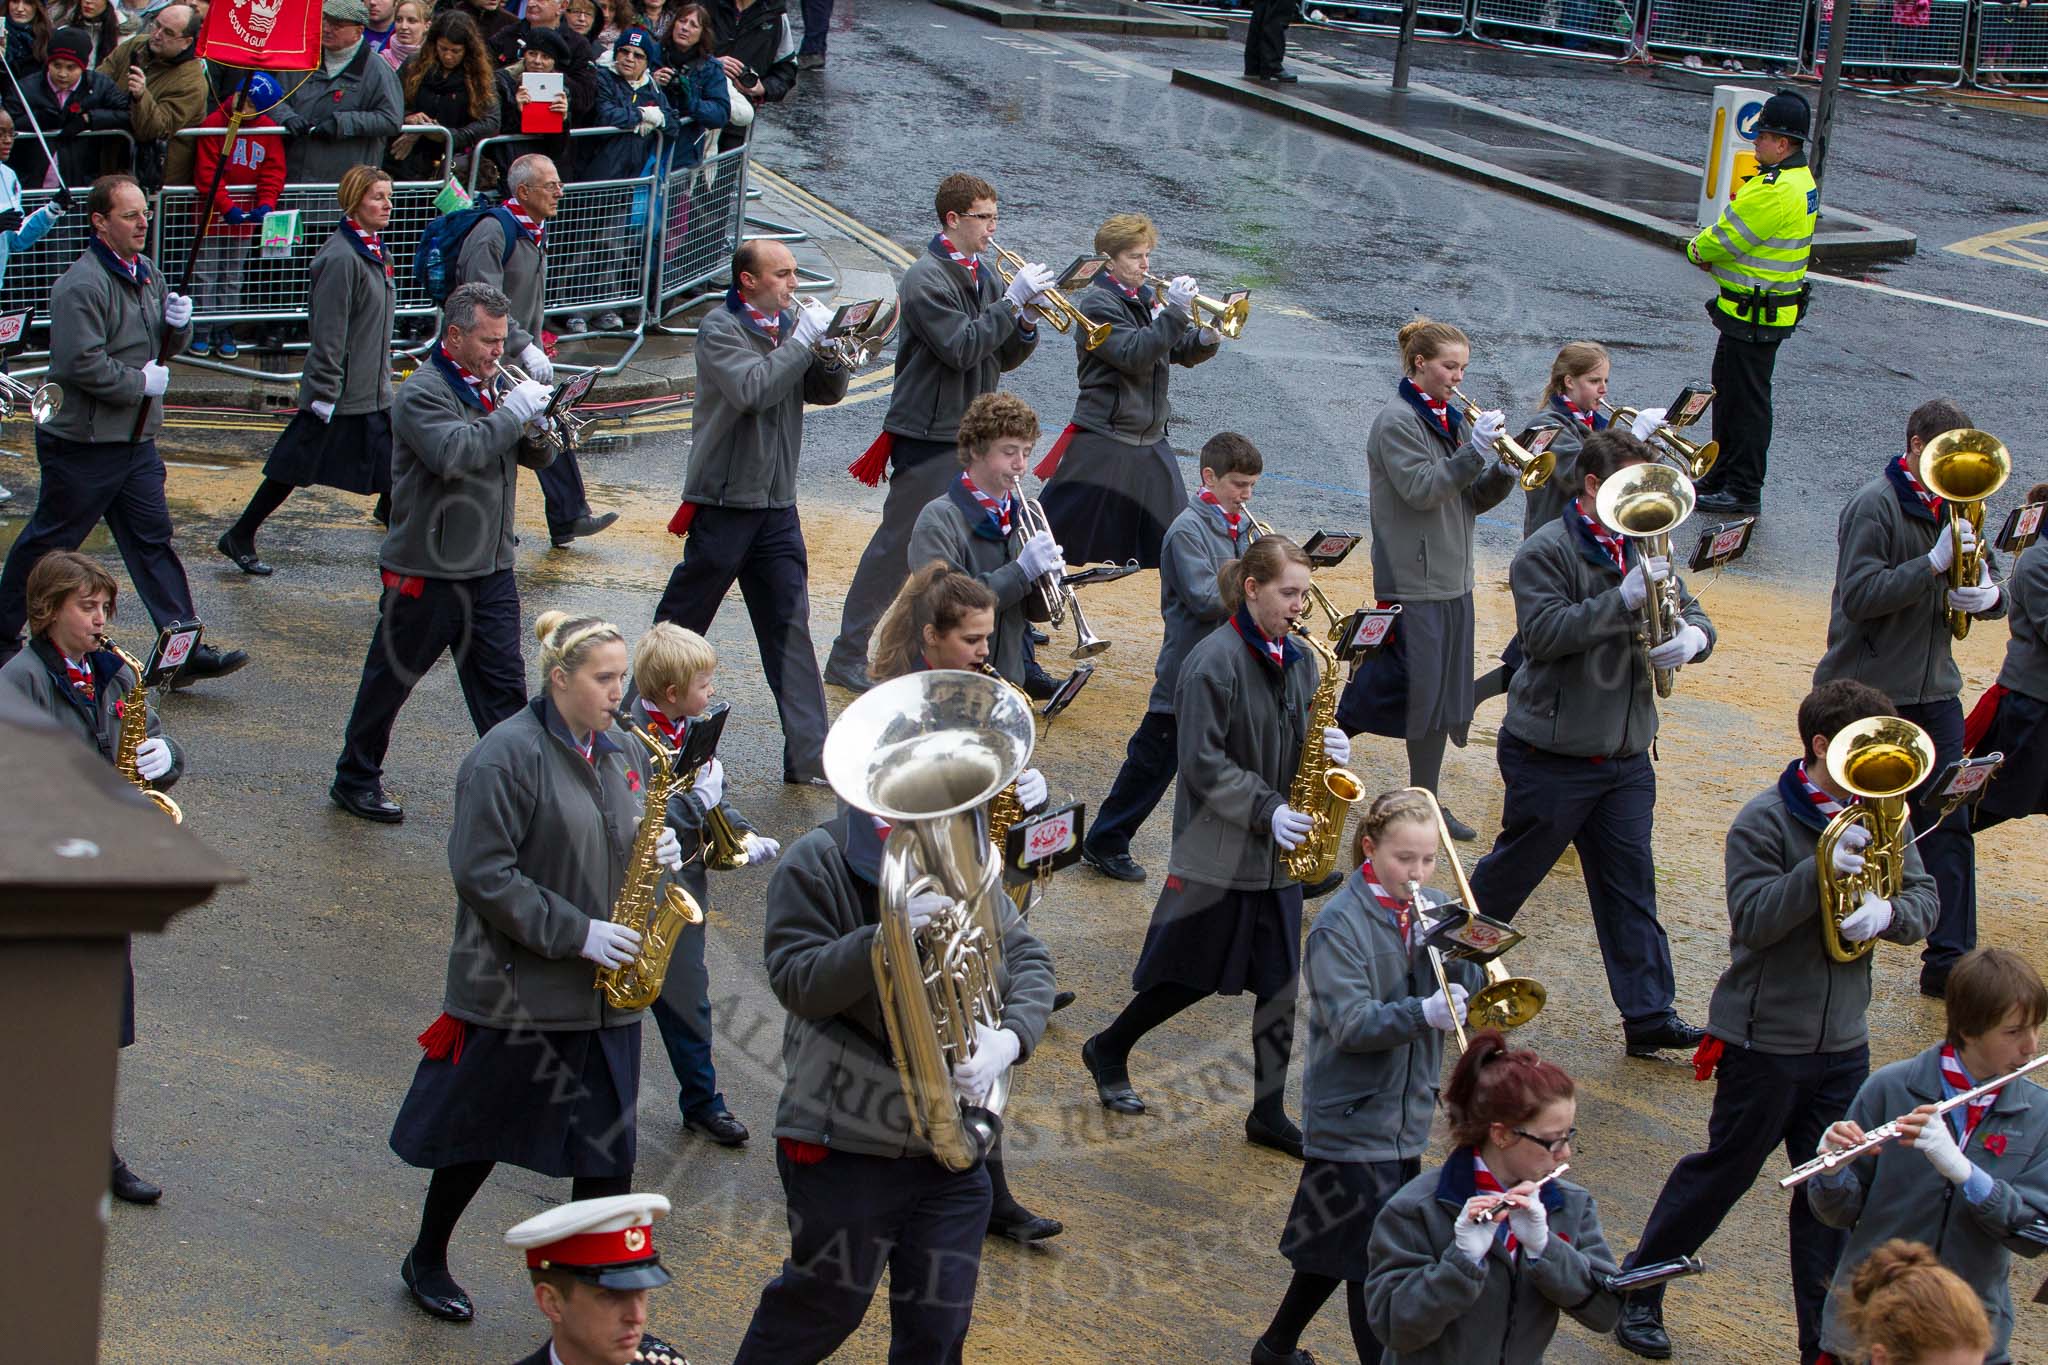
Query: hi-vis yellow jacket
(1757, 251)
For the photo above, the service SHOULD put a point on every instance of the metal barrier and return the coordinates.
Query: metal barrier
(1769, 31)
(1433, 18)
(1880, 40)
(33, 273)
(707, 206)
(2011, 42)
(1585, 28)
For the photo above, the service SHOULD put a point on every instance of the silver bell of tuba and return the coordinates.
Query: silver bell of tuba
(43, 400)
(925, 752)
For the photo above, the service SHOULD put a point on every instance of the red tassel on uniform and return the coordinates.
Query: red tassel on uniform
(1982, 717)
(872, 465)
(1706, 1057)
(1051, 463)
(443, 1040)
(802, 1153)
(679, 524)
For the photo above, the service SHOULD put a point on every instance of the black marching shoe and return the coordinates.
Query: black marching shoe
(1262, 1354)
(1020, 1224)
(1112, 1083)
(721, 1127)
(1061, 999)
(1323, 887)
(1039, 685)
(370, 805)
(1261, 1133)
(243, 554)
(1727, 505)
(207, 662)
(1460, 831)
(1117, 866)
(436, 1292)
(1641, 1329)
(1673, 1033)
(131, 1188)
(589, 524)
(854, 682)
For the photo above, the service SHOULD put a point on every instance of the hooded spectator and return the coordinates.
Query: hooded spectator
(450, 82)
(166, 87)
(629, 99)
(68, 99)
(343, 112)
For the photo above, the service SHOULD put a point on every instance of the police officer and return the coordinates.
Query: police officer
(592, 1262)
(1756, 251)
(110, 314)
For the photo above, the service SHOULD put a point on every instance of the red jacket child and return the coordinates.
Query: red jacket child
(255, 173)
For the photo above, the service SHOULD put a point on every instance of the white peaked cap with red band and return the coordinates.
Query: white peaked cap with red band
(609, 1241)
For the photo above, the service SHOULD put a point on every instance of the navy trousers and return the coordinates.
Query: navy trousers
(1605, 810)
(918, 472)
(561, 490)
(82, 484)
(683, 1014)
(762, 549)
(1949, 850)
(1761, 1102)
(1742, 417)
(476, 619)
(850, 1216)
(1265, 38)
(817, 18)
(1150, 761)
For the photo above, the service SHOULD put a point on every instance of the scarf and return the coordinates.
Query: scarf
(1487, 1182)
(1402, 912)
(372, 243)
(970, 264)
(1232, 520)
(1919, 489)
(1273, 652)
(1822, 802)
(80, 676)
(998, 512)
(476, 385)
(1435, 411)
(1954, 1081)
(1602, 537)
(767, 326)
(527, 225)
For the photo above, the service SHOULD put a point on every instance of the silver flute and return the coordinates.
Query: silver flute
(1885, 1132)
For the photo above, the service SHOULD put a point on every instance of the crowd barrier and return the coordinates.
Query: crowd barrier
(2011, 42)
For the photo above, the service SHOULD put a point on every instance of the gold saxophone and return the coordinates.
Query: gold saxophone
(1321, 791)
(135, 729)
(658, 915)
(1004, 809)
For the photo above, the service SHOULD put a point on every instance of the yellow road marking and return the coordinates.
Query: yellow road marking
(875, 241)
(2009, 246)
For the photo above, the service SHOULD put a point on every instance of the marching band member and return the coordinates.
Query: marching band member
(592, 1262)
(863, 1195)
(756, 370)
(1376, 1023)
(68, 673)
(527, 1063)
(458, 442)
(961, 330)
(1450, 1284)
(1114, 483)
(1430, 480)
(109, 314)
(1574, 748)
(2009, 718)
(1788, 1037)
(1906, 1308)
(1966, 1180)
(975, 524)
(1888, 626)
(672, 686)
(1208, 533)
(1229, 917)
(341, 435)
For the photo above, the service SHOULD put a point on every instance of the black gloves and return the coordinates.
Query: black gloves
(296, 124)
(63, 198)
(10, 220)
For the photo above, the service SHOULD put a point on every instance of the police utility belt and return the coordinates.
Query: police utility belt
(1753, 302)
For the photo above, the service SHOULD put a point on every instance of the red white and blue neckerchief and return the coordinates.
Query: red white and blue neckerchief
(1486, 1182)
(527, 225)
(671, 731)
(80, 676)
(370, 244)
(1274, 653)
(971, 264)
(587, 747)
(1438, 413)
(998, 512)
(1135, 293)
(1233, 521)
(882, 828)
(466, 385)
(1818, 799)
(1954, 1081)
(1594, 420)
(1402, 912)
(767, 326)
(133, 269)
(1607, 540)
(1804, 801)
(1913, 494)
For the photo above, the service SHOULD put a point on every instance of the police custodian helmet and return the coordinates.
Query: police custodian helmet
(1787, 115)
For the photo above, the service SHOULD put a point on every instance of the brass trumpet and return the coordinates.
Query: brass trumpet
(1694, 457)
(1504, 1002)
(43, 400)
(1227, 318)
(1965, 467)
(1056, 308)
(1535, 468)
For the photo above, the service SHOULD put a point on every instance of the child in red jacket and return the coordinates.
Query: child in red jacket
(248, 190)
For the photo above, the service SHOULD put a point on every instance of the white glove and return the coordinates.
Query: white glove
(1031, 791)
(653, 116)
(761, 849)
(1031, 281)
(155, 379)
(924, 905)
(1531, 1226)
(1937, 1142)
(1849, 859)
(1438, 1014)
(527, 401)
(152, 758)
(1180, 292)
(1975, 601)
(1681, 649)
(1867, 920)
(177, 309)
(1647, 421)
(1489, 427)
(1473, 1236)
(1336, 746)
(810, 325)
(710, 784)
(610, 945)
(322, 409)
(535, 362)
(1634, 587)
(1944, 552)
(1040, 555)
(1290, 827)
(995, 1051)
(668, 850)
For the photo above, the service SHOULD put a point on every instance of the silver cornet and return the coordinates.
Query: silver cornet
(560, 429)
(851, 350)
(1050, 599)
(43, 400)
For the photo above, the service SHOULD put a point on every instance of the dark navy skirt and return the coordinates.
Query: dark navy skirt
(1221, 941)
(352, 454)
(2020, 732)
(1111, 501)
(1420, 680)
(1330, 1225)
(559, 1103)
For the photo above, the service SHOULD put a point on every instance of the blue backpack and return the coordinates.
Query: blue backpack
(440, 246)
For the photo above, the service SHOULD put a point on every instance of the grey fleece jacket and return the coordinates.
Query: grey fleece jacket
(361, 108)
(1586, 690)
(1781, 993)
(1888, 617)
(1895, 1192)
(1540, 506)
(1425, 496)
(841, 1089)
(522, 276)
(103, 330)
(1196, 547)
(747, 432)
(1123, 381)
(2026, 654)
(956, 337)
(349, 308)
(946, 529)
(454, 472)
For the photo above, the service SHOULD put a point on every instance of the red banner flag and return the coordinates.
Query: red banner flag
(262, 35)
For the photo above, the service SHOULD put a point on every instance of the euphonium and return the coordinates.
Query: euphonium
(923, 752)
(1880, 759)
(1321, 791)
(135, 729)
(1534, 468)
(658, 914)
(1004, 809)
(1964, 467)
(1646, 502)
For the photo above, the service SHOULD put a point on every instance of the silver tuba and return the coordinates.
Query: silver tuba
(924, 752)
(43, 400)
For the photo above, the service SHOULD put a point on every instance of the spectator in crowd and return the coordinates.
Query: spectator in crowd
(629, 99)
(408, 32)
(28, 37)
(16, 232)
(693, 81)
(581, 17)
(344, 111)
(540, 15)
(619, 15)
(70, 99)
(383, 24)
(759, 54)
(100, 20)
(491, 16)
(249, 188)
(546, 50)
(449, 82)
(165, 83)
(817, 18)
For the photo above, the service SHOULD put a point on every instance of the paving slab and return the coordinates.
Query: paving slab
(1090, 16)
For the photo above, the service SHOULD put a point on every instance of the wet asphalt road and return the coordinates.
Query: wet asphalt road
(278, 1022)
